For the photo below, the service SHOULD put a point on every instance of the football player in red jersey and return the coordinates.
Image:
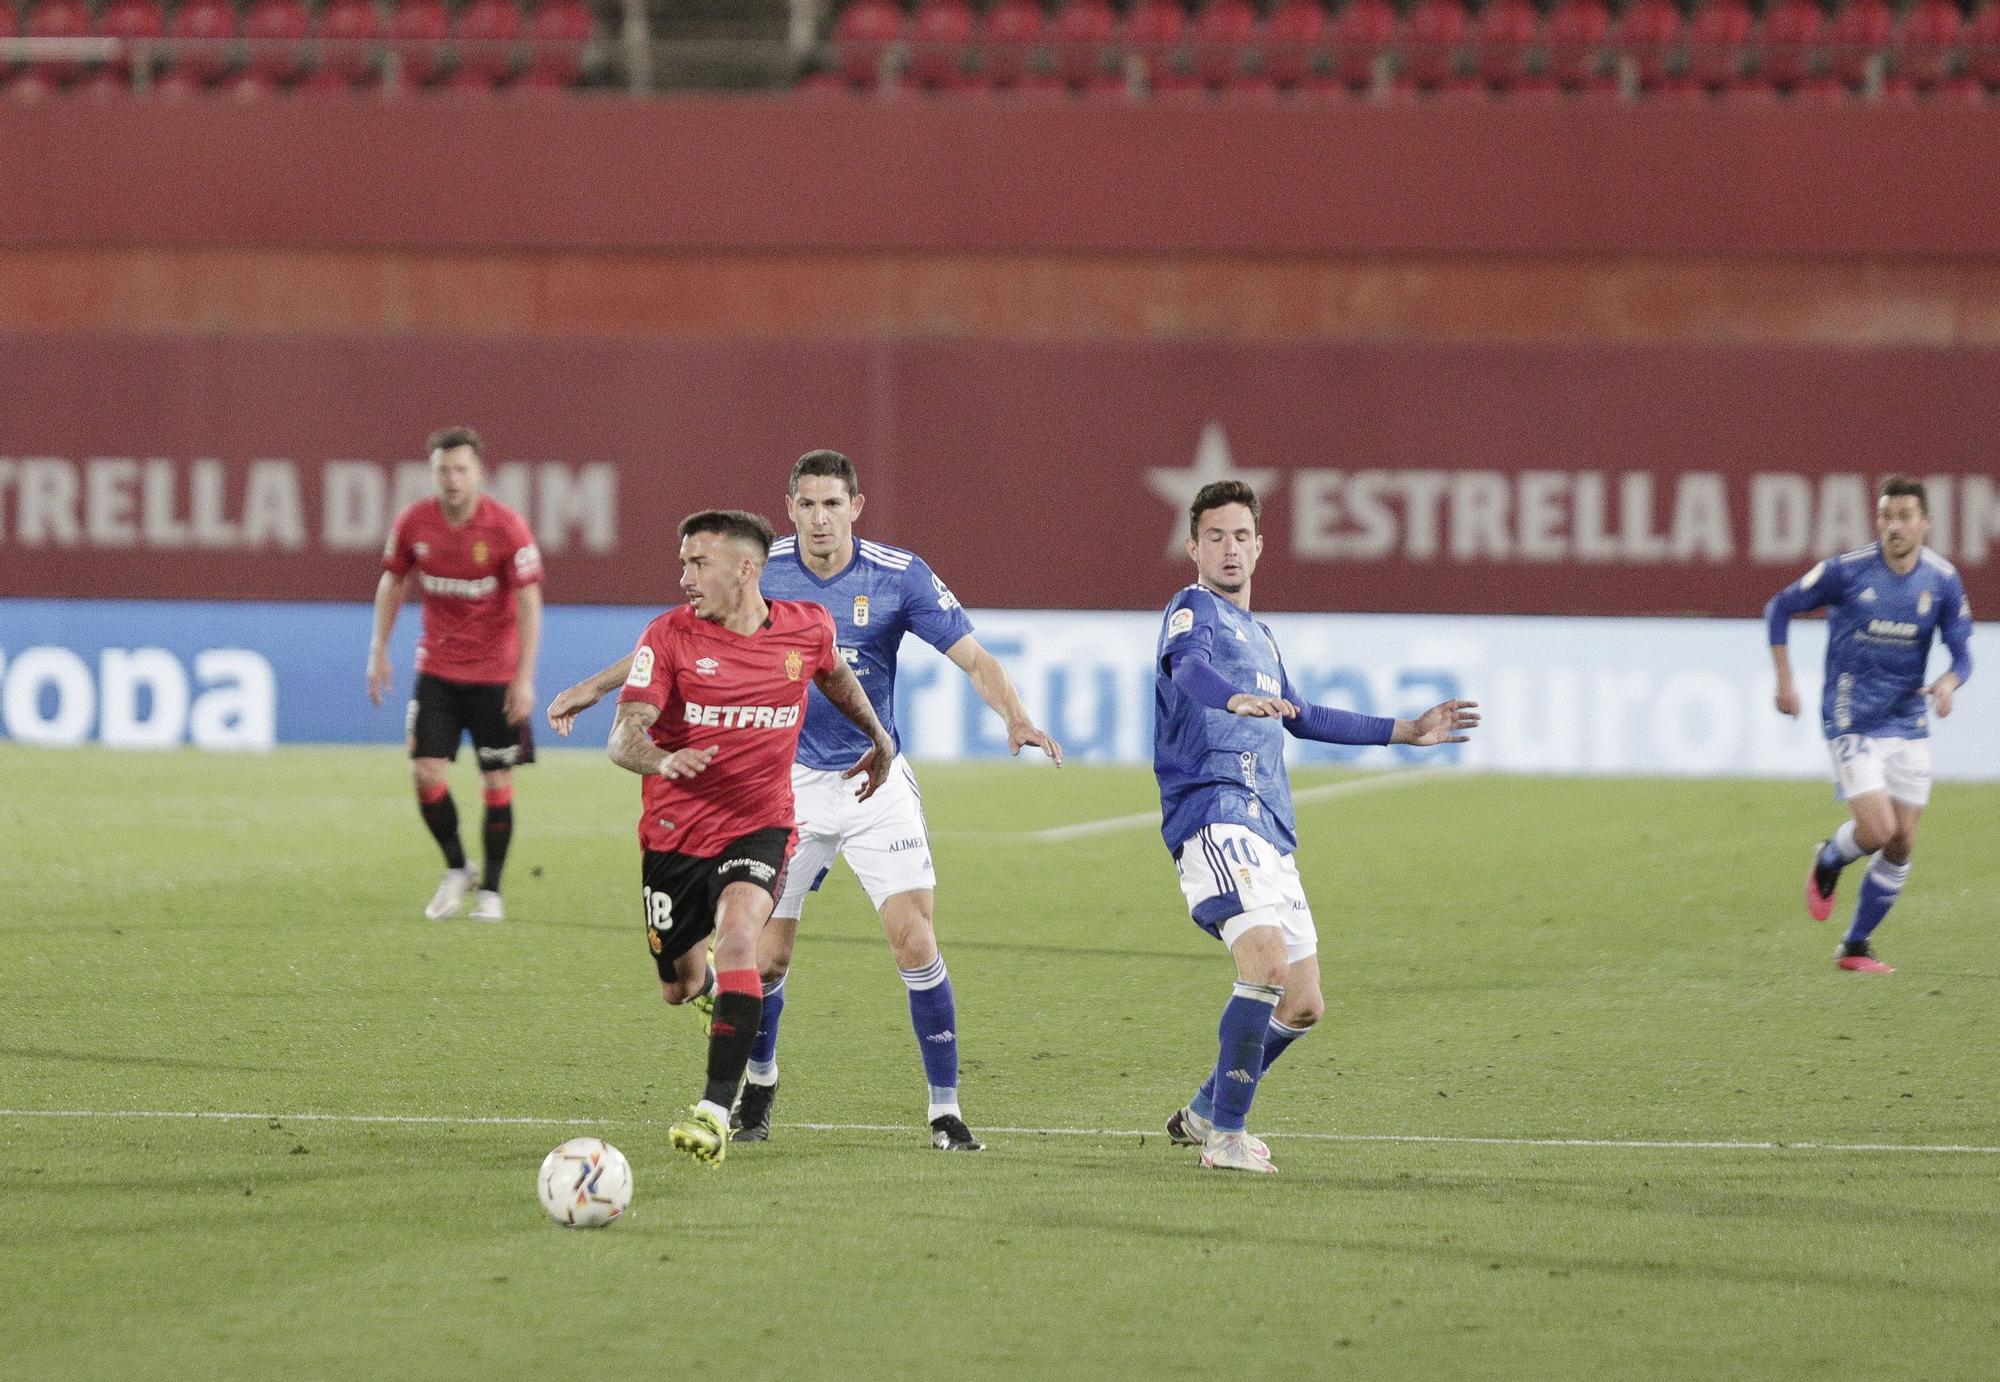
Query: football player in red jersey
(479, 575)
(709, 716)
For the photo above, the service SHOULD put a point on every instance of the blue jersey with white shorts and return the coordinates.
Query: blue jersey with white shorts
(1216, 768)
(883, 593)
(1879, 631)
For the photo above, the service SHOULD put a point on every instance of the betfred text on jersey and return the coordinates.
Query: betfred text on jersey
(742, 716)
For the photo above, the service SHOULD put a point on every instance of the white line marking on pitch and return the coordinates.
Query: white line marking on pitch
(1327, 792)
(1416, 1139)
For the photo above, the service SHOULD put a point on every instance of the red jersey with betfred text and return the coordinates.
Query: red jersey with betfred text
(466, 575)
(743, 693)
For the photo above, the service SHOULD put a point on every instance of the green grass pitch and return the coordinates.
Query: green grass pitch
(1526, 961)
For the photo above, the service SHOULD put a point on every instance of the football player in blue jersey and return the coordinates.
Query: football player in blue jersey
(1884, 604)
(1223, 703)
(876, 594)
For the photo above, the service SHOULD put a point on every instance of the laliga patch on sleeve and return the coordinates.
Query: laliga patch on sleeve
(1811, 578)
(641, 674)
(527, 559)
(1181, 622)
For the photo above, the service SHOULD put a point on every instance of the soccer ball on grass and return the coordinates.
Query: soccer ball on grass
(585, 1183)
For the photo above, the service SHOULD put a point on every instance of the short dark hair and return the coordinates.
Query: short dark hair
(750, 527)
(445, 438)
(1898, 485)
(828, 463)
(1217, 493)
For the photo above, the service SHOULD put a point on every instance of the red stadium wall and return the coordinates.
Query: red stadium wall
(1659, 221)
(1588, 479)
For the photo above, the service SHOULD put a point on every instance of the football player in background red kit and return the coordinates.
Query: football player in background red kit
(479, 576)
(709, 716)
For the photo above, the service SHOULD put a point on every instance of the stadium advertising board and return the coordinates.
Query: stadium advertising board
(1633, 696)
(1503, 480)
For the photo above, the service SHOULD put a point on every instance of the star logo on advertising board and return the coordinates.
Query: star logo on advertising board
(1212, 462)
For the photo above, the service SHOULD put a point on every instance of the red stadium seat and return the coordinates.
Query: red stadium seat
(1292, 39)
(1788, 46)
(1925, 47)
(1982, 47)
(486, 32)
(939, 36)
(1578, 39)
(1007, 35)
(1433, 44)
(1080, 47)
(1152, 34)
(1649, 37)
(203, 31)
(1857, 38)
(1719, 43)
(346, 31)
(1363, 33)
(1503, 40)
(862, 36)
(417, 32)
(560, 30)
(135, 22)
(54, 19)
(1224, 33)
(276, 31)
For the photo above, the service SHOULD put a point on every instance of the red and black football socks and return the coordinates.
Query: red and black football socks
(739, 1006)
(499, 833)
(441, 815)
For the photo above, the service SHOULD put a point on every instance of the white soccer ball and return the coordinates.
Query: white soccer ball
(585, 1183)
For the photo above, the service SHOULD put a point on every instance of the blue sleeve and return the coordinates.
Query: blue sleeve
(1327, 725)
(1198, 679)
(932, 610)
(1825, 584)
(1956, 629)
(1190, 631)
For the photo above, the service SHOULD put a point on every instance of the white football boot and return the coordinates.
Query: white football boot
(1230, 1151)
(452, 889)
(1186, 1128)
(488, 907)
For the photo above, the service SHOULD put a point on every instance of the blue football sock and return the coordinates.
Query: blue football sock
(1277, 1039)
(1240, 1063)
(1880, 887)
(1841, 850)
(763, 1067)
(934, 1018)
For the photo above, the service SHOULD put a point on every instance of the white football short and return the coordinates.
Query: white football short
(883, 839)
(1234, 880)
(1901, 767)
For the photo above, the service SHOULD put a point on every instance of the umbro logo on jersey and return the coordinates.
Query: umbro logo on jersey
(707, 666)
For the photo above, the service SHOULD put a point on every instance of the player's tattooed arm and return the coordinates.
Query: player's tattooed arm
(996, 688)
(843, 690)
(633, 749)
(571, 700)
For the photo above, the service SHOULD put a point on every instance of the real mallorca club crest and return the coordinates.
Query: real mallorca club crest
(860, 611)
(480, 552)
(794, 664)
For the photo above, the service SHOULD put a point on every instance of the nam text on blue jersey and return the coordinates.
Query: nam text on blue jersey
(1214, 767)
(882, 594)
(1879, 631)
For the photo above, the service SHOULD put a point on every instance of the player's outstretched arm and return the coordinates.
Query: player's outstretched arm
(389, 593)
(570, 700)
(842, 690)
(1444, 723)
(633, 749)
(996, 688)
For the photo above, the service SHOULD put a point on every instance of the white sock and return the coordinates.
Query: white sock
(1844, 844)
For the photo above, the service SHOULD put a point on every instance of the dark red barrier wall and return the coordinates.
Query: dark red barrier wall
(1581, 479)
(1321, 178)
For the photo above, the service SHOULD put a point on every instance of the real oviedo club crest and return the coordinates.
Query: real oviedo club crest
(860, 611)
